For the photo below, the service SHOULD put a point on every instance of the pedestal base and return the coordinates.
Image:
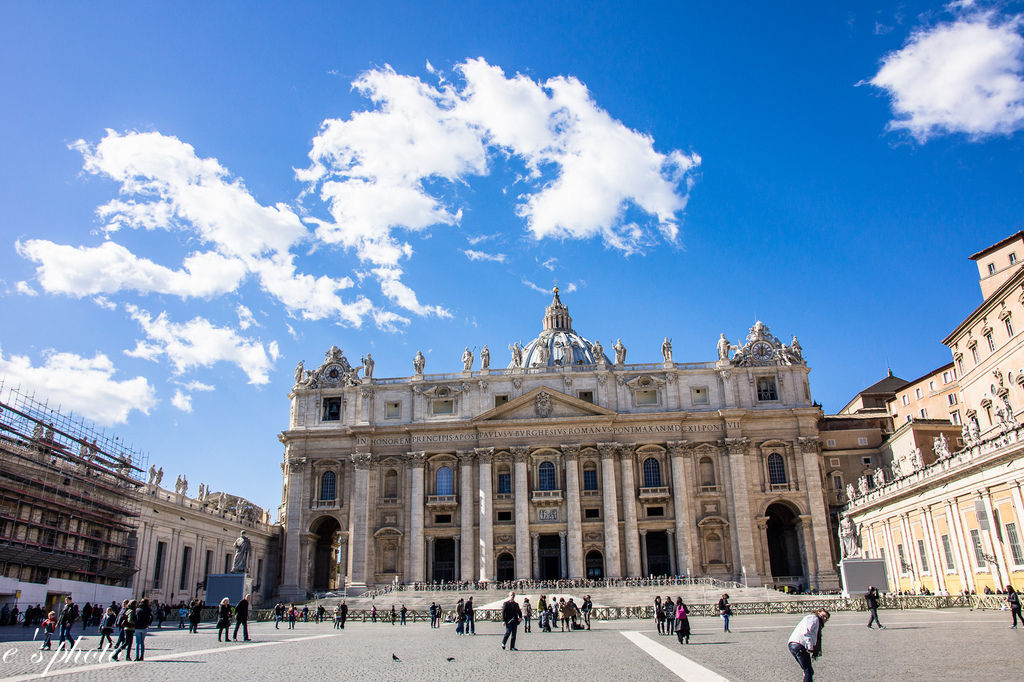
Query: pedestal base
(234, 586)
(860, 574)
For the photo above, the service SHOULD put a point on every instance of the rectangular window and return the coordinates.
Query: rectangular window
(443, 518)
(903, 559)
(954, 417)
(837, 482)
(960, 364)
(186, 563)
(227, 563)
(863, 441)
(923, 555)
(931, 385)
(445, 406)
(332, 410)
(590, 479)
(1009, 327)
(504, 483)
(952, 398)
(945, 377)
(500, 400)
(766, 389)
(592, 513)
(974, 354)
(917, 393)
(991, 268)
(699, 394)
(586, 396)
(259, 574)
(991, 342)
(979, 554)
(505, 516)
(655, 511)
(1013, 258)
(924, 413)
(647, 397)
(947, 550)
(906, 399)
(833, 461)
(392, 410)
(831, 442)
(158, 567)
(1014, 539)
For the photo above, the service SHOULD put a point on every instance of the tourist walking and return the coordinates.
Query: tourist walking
(143, 619)
(86, 615)
(588, 606)
(278, 614)
(659, 614)
(1013, 599)
(107, 627)
(871, 598)
(725, 610)
(195, 614)
(119, 622)
(433, 614)
(460, 617)
(527, 614)
(805, 641)
(182, 615)
(669, 607)
(344, 613)
(224, 618)
(292, 615)
(68, 615)
(682, 622)
(470, 628)
(337, 617)
(373, 614)
(511, 614)
(127, 624)
(48, 626)
(394, 615)
(242, 618)
(402, 613)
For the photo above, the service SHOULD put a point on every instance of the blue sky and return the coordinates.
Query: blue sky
(193, 200)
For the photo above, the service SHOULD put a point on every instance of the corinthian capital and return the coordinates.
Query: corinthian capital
(361, 460)
(465, 457)
(736, 446)
(810, 444)
(570, 451)
(485, 455)
(607, 450)
(417, 459)
(678, 448)
(520, 453)
(296, 465)
(627, 450)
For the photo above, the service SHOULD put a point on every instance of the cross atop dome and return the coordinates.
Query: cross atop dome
(556, 315)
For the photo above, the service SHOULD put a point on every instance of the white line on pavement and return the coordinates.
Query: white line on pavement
(684, 668)
(162, 657)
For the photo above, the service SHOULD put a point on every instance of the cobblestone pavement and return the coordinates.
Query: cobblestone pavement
(923, 645)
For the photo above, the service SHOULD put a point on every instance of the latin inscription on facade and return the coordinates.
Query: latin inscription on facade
(547, 515)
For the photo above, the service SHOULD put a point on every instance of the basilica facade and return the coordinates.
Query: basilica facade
(566, 463)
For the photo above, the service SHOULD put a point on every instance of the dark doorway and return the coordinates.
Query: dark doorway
(784, 550)
(595, 565)
(549, 555)
(657, 553)
(325, 559)
(506, 567)
(444, 559)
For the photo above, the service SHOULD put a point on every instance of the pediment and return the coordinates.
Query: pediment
(544, 403)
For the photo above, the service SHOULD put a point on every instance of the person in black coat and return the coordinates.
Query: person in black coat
(224, 618)
(195, 614)
(511, 614)
(872, 601)
(1013, 599)
(242, 615)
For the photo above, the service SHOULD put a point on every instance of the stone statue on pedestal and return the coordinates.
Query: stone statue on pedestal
(851, 492)
(367, 366)
(419, 362)
(620, 352)
(848, 539)
(299, 372)
(598, 351)
(666, 349)
(152, 474)
(723, 348)
(517, 354)
(467, 360)
(240, 562)
(159, 476)
(485, 361)
(941, 446)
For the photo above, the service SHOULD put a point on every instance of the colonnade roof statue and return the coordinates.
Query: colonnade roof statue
(558, 343)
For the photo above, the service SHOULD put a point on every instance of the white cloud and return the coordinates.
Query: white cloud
(401, 294)
(199, 343)
(181, 401)
(291, 331)
(480, 255)
(25, 289)
(196, 386)
(571, 287)
(104, 302)
(245, 318)
(963, 76)
(477, 239)
(83, 385)
(535, 287)
(379, 169)
(550, 263)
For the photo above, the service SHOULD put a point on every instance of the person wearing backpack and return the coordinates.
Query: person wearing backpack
(143, 619)
(68, 615)
(127, 623)
(107, 627)
(49, 625)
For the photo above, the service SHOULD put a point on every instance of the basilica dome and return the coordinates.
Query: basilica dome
(559, 344)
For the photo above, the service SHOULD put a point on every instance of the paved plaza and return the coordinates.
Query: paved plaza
(926, 645)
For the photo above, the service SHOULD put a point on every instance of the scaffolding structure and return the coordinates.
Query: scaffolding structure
(69, 495)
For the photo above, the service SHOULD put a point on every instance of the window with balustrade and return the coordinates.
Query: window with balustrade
(328, 485)
(652, 473)
(546, 476)
(776, 469)
(590, 476)
(444, 482)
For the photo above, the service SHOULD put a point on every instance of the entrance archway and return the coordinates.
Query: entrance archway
(595, 565)
(549, 555)
(506, 567)
(657, 553)
(785, 552)
(325, 554)
(444, 559)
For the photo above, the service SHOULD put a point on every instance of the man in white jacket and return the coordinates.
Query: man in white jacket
(805, 642)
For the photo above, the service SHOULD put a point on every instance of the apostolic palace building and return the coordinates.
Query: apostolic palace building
(565, 463)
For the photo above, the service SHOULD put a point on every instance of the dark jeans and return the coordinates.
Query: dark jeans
(245, 628)
(65, 634)
(510, 631)
(803, 658)
(140, 644)
(471, 624)
(874, 617)
(1016, 616)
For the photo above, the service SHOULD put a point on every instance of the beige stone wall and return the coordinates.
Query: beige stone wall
(937, 394)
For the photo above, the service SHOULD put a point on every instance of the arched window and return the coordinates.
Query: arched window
(444, 482)
(546, 472)
(707, 471)
(776, 469)
(590, 476)
(652, 473)
(391, 483)
(328, 485)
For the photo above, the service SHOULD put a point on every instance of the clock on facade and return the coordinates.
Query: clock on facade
(762, 351)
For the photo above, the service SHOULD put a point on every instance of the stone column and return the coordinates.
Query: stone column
(574, 518)
(766, 560)
(671, 534)
(644, 568)
(291, 589)
(1002, 570)
(960, 540)
(633, 567)
(737, 448)
(484, 457)
(928, 524)
(561, 553)
(536, 554)
(417, 570)
(807, 525)
(825, 575)
(359, 520)
(466, 501)
(612, 560)
(430, 558)
(458, 566)
(521, 455)
(680, 485)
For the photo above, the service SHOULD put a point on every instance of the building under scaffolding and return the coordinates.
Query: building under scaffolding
(69, 506)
